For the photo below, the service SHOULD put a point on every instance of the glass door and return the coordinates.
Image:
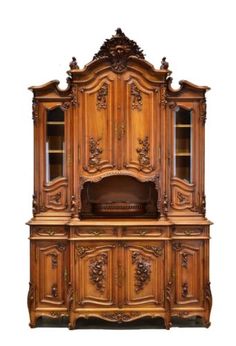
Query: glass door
(55, 144)
(183, 144)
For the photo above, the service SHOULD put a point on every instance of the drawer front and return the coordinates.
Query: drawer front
(48, 231)
(190, 231)
(92, 231)
(145, 231)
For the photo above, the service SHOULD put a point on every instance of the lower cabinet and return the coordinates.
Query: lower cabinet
(49, 274)
(110, 274)
(121, 273)
(188, 270)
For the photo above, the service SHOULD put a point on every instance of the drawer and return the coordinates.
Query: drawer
(48, 231)
(93, 231)
(189, 231)
(145, 231)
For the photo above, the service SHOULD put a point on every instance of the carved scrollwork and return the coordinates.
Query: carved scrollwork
(70, 296)
(118, 49)
(165, 204)
(176, 246)
(142, 270)
(66, 105)
(203, 111)
(203, 205)
(73, 206)
(82, 250)
(143, 154)
(56, 198)
(184, 262)
(35, 111)
(182, 199)
(163, 96)
(54, 259)
(120, 316)
(208, 295)
(34, 204)
(136, 96)
(156, 250)
(31, 295)
(97, 271)
(102, 97)
(169, 294)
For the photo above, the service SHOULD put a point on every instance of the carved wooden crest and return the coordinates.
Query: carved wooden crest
(118, 49)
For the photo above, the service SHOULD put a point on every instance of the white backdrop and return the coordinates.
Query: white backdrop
(38, 39)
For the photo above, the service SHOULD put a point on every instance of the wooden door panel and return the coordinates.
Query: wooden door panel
(143, 274)
(51, 260)
(188, 264)
(140, 125)
(94, 274)
(98, 124)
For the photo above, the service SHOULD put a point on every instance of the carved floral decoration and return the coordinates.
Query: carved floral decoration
(97, 271)
(118, 49)
(102, 97)
(142, 270)
(136, 96)
(143, 153)
(95, 153)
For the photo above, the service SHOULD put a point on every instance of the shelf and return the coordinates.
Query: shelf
(183, 154)
(56, 151)
(183, 125)
(55, 122)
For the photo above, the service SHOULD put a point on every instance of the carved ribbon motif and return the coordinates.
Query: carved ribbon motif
(54, 259)
(185, 259)
(142, 270)
(97, 271)
(95, 153)
(143, 153)
(136, 98)
(102, 97)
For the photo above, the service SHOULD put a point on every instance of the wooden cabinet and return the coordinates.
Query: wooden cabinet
(119, 230)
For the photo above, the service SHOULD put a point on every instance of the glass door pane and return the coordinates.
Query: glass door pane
(183, 144)
(55, 144)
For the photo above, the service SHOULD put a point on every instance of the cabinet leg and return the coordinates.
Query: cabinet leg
(206, 321)
(72, 323)
(168, 323)
(32, 323)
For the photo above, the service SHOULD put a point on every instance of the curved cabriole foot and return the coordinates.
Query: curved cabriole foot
(72, 325)
(206, 322)
(32, 322)
(168, 323)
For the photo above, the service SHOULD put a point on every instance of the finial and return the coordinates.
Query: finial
(164, 64)
(73, 64)
(119, 32)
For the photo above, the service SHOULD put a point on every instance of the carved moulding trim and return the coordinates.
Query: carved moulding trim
(97, 178)
(184, 84)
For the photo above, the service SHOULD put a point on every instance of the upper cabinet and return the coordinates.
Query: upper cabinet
(119, 116)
